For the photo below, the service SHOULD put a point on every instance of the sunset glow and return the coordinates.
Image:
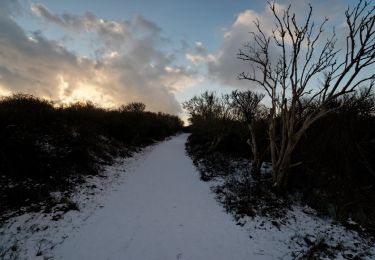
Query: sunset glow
(84, 92)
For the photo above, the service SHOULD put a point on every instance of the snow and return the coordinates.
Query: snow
(154, 206)
(288, 241)
(32, 234)
(162, 211)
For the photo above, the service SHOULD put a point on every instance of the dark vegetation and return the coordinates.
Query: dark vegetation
(335, 175)
(335, 170)
(317, 129)
(220, 146)
(45, 148)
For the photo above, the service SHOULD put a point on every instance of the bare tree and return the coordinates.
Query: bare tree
(245, 105)
(304, 59)
(137, 107)
(212, 111)
(207, 106)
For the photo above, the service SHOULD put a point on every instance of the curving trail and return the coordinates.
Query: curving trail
(162, 211)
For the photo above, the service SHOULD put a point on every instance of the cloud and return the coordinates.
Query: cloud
(131, 65)
(194, 58)
(30, 63)
(223, 65)
(9, 7)
(112, 33)
(198, 54)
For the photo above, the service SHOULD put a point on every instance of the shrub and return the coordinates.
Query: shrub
(42, 145)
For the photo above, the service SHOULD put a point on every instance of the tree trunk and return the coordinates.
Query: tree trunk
(272, 137)
(282, 171)
(256, 162)
(255, 168)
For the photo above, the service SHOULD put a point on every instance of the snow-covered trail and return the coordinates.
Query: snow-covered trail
(162, 211)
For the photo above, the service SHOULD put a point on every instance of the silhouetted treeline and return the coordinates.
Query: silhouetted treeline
(333, 165)
(42, 144)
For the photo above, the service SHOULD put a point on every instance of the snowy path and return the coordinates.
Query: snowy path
(162, 211)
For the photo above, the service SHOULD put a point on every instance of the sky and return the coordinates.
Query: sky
(112, 52)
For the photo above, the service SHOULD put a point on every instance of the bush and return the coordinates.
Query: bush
(334, 163)
(338, 154)
(42, 145)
